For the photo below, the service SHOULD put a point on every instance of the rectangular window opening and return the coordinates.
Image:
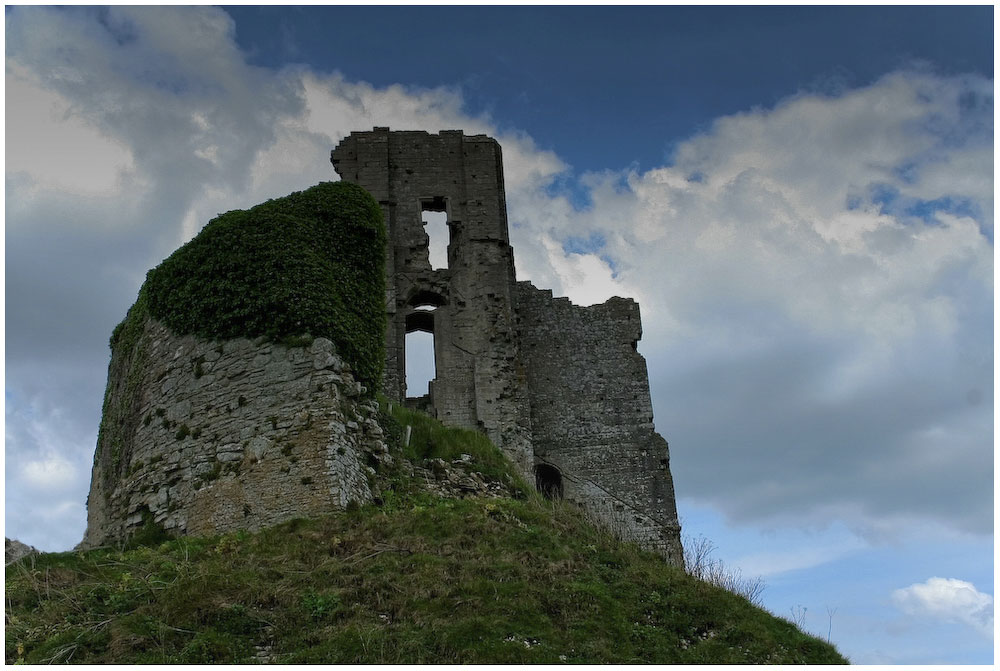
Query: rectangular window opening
(420, 368)
(435, 218)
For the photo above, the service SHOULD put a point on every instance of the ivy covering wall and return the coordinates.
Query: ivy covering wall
(311, 263)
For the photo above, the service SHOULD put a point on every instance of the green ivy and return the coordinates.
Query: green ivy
(309, 264)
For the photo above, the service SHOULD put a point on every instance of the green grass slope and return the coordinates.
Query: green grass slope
(415, 579)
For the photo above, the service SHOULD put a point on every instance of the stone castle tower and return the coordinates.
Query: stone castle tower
(561, 389)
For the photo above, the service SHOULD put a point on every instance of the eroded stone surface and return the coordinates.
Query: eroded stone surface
(234, 435)
(473, 320)
(207, 437)
(592, 417)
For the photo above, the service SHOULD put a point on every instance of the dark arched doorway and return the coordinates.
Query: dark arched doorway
(548, 481)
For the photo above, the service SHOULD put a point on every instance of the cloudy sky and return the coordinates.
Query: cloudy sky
(800, 199)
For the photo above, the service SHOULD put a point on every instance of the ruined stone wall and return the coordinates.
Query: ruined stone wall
(478, 380)
(548, 382)
(591, 414)
(229, 435)
(205, 437)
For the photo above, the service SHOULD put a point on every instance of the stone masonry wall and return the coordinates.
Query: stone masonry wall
(231, 435)
(591, 414)
(547, 381)
(478, 376)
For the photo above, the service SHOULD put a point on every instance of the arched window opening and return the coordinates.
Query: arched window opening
(548, 481)
(419, 351)
(435, 218)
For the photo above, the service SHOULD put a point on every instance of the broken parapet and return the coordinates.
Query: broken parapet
(592, 417)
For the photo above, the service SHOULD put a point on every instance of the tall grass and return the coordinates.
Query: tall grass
(700, 564)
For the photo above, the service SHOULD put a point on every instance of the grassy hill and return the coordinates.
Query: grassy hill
(414, 579)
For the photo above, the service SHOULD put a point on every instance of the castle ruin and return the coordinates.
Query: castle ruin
(205, 436)
(560, 388)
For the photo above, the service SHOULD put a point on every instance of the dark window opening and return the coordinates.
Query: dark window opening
(548, 481)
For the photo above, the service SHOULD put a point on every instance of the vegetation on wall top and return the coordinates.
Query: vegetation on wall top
(310, 263)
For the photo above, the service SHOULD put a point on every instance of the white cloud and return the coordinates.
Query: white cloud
(48, 454)
(585, 279)
(53, 472)
(813, 313)
(774, 562)
(950, 600)
(53, 146)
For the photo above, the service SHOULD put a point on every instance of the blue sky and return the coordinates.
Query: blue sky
(633, 82)
(801, 200)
